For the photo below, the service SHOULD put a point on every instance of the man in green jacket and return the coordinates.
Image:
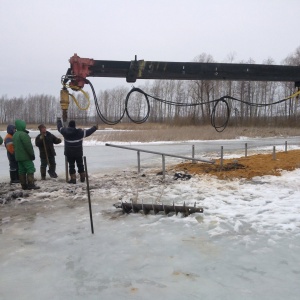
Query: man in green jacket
(24, 155)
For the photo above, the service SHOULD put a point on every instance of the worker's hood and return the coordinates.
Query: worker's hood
(20, 125)
(11, 129)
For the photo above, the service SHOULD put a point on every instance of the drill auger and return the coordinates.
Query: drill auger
(156, 208)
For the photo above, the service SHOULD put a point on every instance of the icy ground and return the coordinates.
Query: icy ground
(245, 245)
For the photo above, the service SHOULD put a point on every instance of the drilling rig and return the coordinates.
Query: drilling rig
(81, 68)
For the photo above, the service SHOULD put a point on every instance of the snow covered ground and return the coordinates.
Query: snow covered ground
(244, 246)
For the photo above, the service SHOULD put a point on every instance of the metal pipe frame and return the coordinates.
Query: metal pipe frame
(161, 153)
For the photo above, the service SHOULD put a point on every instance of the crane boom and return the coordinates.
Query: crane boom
(81, 68)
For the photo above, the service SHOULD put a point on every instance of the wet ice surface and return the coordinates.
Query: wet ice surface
(102, 158)
(244, 246)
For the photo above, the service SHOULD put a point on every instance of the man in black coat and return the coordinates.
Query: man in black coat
(45, 142)
(73, 147)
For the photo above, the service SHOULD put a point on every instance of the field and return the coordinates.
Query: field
(149, 132)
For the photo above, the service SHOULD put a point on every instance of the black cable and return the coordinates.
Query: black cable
(148, 106)
(101, 116)
(213, 116)
(216, 102)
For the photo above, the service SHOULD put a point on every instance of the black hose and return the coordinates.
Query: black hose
(148, 106)
(216, 102)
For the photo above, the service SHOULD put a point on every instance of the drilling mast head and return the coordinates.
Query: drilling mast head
(80, 70)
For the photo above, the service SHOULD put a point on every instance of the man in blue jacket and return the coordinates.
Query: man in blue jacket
(73, 147)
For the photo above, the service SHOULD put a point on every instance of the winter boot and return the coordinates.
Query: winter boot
(14, 177)
(82, 176)
(43, 173)
(73, 179)
(23, 181)
(31, 185)
(51, 171)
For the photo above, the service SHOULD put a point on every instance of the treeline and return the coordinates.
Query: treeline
(253, 108)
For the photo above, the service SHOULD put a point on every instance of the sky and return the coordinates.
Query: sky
(39, 37)
(245, 245)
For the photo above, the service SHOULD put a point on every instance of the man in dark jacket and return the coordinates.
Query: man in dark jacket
(45, 142)
(24, 155)
(9, 145)
(73, 147)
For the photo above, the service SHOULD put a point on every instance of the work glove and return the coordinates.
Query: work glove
(32, 157)
(96, 126)
(59, 141)
(42, 136)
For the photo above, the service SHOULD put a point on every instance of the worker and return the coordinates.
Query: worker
(9, 145)
(24, 155)
(73, 147)
(45, 142)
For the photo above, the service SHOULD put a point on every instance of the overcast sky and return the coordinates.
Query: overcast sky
(38, 37)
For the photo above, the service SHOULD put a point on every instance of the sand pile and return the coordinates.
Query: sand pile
(246, 167)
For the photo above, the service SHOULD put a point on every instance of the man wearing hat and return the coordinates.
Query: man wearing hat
(45, 142)
(13, 164)
(73, 147)
(24, 155)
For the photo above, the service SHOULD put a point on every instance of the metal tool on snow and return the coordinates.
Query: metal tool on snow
(156, 208)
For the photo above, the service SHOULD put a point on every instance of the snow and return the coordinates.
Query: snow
(244, 246)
